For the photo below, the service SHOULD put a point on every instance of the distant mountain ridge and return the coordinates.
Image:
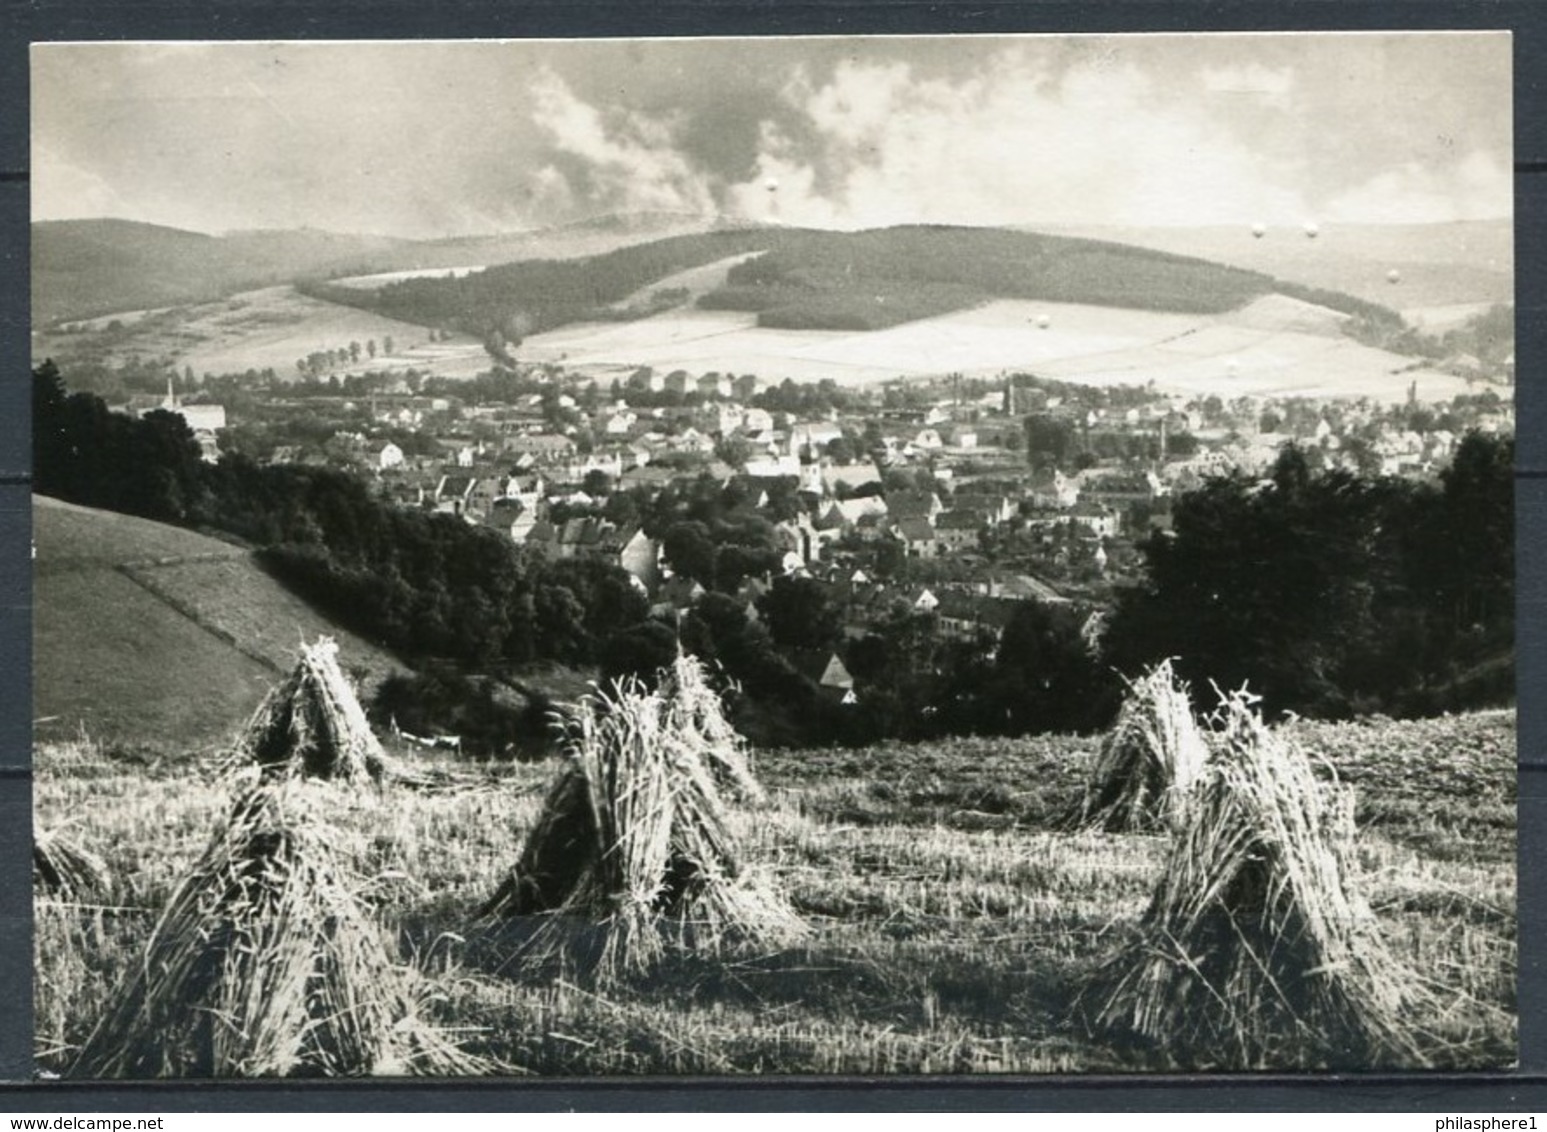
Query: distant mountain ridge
(89, 268)
(82, 268)
(1455, 262)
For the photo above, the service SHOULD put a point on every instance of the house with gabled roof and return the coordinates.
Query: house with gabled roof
(826, 670)
(453, 494)
(389, 456)
(844, 515)
(995, 507)
(959, 529)
(812, 435)
(837, 680)
(640, 556)
(923, 600)
(511, 517)
(541, 446)
(918, 537)
(968, 616)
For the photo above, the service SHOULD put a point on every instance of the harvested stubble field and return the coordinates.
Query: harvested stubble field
(955, 917)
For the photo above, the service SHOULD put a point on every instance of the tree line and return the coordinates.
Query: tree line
(427, 586)
(1333, 593)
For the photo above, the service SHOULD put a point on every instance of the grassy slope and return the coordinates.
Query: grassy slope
(93, 267)
(938, 945)
(136, 629)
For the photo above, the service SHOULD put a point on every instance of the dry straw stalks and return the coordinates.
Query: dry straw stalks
(633, 852)
(312, 726)
(265, 962)
(1149, 760)
(65, 869)
(1256, 951)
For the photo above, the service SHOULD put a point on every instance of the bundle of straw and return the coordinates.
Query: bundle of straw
(263, 963)
(1149, 760)
(696, 716)
(633, 850)
(1256, 951)
(312, 725)
(64, 868)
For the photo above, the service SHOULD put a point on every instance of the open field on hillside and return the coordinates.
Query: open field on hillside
(1438, 264)
(998, 335)
(1272, 346)
(1233, 361)
(1439, 319)
(110, 588)
(265, 329)
(696, 281)
(275, 326)
(954, 918)
(382, 278)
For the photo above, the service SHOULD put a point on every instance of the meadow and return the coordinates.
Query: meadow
(955, 915)
(109, 586)
(269, 328)
(1271, 347)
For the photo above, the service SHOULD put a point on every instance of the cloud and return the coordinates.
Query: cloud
(62, 190)
(435, 139)
(1270, 86)
(630, 159)
(1011, 144)
(1412, 193)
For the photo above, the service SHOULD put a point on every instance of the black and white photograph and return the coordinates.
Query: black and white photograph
(867, 556)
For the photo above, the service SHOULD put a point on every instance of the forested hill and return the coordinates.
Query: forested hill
(89, 268)
(84, 268)
(802, 278)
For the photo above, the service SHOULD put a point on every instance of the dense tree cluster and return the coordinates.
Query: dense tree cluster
(863, 280)
(1333, 593)
(85, 452)
(428, 586)
(802, 278)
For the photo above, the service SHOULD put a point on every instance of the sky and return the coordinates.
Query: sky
(432, 139)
